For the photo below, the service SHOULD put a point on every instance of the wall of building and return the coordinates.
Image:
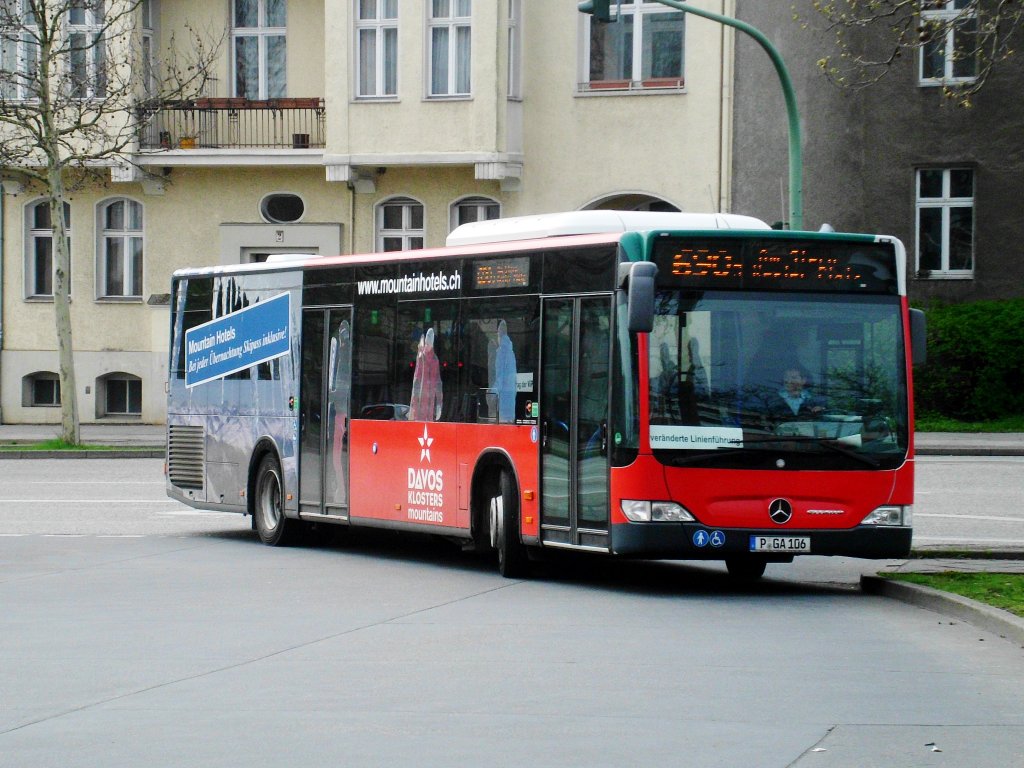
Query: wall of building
(581, 147)
(862, 149)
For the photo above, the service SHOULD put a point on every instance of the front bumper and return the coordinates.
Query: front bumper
(679, 541)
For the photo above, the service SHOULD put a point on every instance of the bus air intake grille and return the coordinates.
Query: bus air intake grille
(186, 456)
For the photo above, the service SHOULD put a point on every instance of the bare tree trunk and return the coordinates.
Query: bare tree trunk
(70, 429)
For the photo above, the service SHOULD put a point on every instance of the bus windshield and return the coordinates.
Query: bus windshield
(778, 380)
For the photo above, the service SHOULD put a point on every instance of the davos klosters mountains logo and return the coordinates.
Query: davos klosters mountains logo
(426, 486)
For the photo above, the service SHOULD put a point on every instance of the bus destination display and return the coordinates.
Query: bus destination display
(502, 273)
(854, 267)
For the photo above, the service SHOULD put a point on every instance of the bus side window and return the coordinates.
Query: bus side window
(373, 357)
(499, 358)
(426, 372)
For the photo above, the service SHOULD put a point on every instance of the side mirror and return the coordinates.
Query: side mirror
(918, 337)
(638, 279)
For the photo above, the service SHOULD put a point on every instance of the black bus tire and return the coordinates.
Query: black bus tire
(273, 527)
(513, 562)
(746, 568)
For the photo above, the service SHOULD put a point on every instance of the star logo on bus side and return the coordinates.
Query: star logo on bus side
(425, 442)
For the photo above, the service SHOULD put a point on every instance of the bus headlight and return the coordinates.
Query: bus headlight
(656, 511)
(890, 516)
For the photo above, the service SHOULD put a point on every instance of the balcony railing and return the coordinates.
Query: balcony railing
(233, 123)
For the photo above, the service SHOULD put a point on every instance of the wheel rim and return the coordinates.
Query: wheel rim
(270, 500)
(497, 521)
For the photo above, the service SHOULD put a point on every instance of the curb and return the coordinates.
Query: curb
(969, 451)
(126, 453)
(995, 620)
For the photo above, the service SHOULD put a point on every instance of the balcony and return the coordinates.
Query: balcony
(233, 123)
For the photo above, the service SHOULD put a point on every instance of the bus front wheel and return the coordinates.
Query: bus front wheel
(746, 568)
(513, 562)
(272, 526)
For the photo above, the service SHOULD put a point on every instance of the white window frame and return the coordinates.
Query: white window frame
(481, 205)
(17, 44)
(408, 232)
(459, 16)
(382, 25)
(35, 234)
(147, 13)
(127, 235)
(515, 49)
(262, 34)
(640, 11)
(946, 203)
(954, 13)
(91, 82)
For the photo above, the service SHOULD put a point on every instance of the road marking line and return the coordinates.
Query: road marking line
(996, 518)
(89, 501)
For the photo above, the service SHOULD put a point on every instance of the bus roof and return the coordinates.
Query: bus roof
(594, 222)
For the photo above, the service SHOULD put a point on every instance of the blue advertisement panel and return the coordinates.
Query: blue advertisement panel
(237, 341)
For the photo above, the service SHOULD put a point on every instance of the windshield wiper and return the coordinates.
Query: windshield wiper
(824, 442)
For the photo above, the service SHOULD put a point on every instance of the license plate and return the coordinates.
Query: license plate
(780, 544)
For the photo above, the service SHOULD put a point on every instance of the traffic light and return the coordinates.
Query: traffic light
(601, 9)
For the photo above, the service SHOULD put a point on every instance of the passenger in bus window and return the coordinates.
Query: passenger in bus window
(505, 375)
(794, 399)
(425, 404)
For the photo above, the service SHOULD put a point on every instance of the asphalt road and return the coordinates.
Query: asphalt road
(136, 632)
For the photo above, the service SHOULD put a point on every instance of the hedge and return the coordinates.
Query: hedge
(975, 368)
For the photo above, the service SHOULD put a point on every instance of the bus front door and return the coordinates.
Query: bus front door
(576, 360)
(324, 407)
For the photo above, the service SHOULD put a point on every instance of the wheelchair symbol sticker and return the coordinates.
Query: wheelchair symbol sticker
(717, 539)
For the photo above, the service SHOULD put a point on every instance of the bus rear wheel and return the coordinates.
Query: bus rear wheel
(273, 527)
(746, 568)
(513, 562)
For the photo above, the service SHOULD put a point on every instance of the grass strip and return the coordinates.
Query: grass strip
(1000, 590)
(929, 422)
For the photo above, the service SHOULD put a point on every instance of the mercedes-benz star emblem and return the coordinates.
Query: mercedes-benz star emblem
(780, 511)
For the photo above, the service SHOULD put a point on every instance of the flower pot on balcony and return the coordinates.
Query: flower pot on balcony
(187, 142)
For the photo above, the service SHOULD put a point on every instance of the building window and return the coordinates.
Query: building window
(149, 85)
(19, 53)
(41, 390)
(87, 50)
(282, 208)
(515, 49)
(949, 32)
(120, 394)
(39, 255)
(450, 51)
(121, 248)
(945, 222)
(400, 225)
(377, 48)
(642, 46)
(472, 209)
(258, 34)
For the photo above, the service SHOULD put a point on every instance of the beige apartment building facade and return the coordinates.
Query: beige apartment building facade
(344, 126)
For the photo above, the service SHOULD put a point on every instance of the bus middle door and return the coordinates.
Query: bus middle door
(325, 404)
(576, 361)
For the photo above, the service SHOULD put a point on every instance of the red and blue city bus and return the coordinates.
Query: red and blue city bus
(672, 386)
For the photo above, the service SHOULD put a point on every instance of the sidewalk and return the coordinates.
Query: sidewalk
(153, 436)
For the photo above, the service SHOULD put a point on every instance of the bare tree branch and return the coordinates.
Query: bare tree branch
(961, 44)
(75, 92)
